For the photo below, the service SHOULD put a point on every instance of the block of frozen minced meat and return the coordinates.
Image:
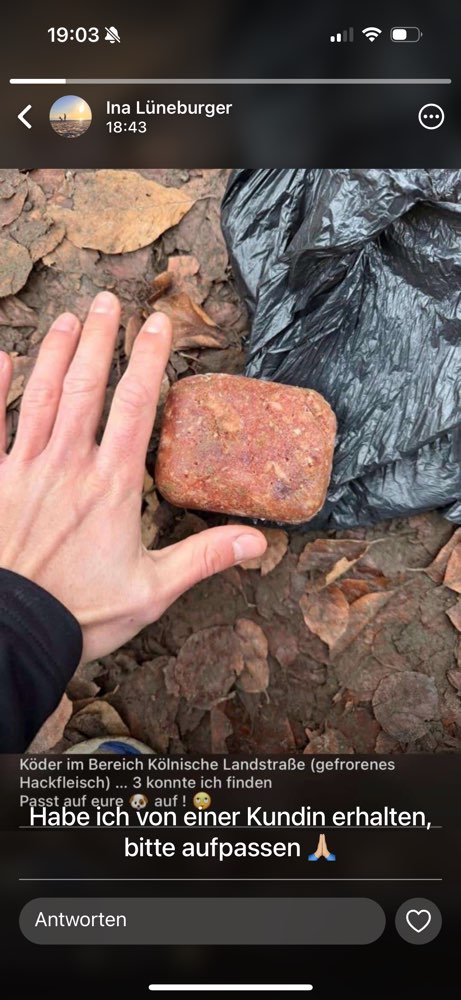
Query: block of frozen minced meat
(241, 446)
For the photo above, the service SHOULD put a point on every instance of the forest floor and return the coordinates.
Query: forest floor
(349, 641)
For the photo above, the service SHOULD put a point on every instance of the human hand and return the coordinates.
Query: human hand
(70, 509)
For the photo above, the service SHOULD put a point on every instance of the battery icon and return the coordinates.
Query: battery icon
(405, 34)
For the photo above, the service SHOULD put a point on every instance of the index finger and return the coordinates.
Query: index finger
(129, 427)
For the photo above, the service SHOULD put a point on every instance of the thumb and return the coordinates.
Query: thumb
(180, 566)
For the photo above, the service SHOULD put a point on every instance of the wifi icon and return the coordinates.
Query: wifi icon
(371, 33)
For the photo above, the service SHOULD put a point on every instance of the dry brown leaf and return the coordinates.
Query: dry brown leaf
(372, 578)
(148, 484)
(181, 276)
(189, 524)
(12, 206)
(183, 266)
(332, 741)
(15, 267)
(160, 286)
(149, 524)
(70, 259)
(54, 182)
(358, 725)
(454, 676)
(283, 644)
(149, 529)
(326, 614)
(16, 390)
(200, 233)
(255, 674)
(80, 687)
(385, 743)
(192, 327)
(220, 730)
(277, 545)
(45, 242)
(327, 559)
(187, 277)
(454, 614)
(132, 329)
(148, 704)
(164, 390)
(117, 211)
(10, 182)
(452, 578)
(436, 569)
(15, 313)
(53, 728)
(98, 719)
(22, 370)
(232, 576)
(361, 612)
(208, 664)
(342, 566)
(36, 229)
(405, 704)
(353, 589)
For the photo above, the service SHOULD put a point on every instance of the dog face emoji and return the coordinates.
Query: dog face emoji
(202, 800)
(138, 801)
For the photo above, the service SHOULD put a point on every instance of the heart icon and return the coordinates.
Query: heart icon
(418, 920)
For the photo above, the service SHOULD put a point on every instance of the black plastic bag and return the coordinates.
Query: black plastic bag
(353, 283)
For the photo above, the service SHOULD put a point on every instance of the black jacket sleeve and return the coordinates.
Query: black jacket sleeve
(40, 648)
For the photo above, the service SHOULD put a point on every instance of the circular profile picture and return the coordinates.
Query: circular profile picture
(70, 116)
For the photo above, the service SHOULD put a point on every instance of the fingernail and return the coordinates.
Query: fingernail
(248, 547)
(3, 358)
(104, 302)
(155, 323)
(67, 323)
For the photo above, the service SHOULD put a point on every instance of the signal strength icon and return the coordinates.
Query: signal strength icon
(343, 36)
(371, 33)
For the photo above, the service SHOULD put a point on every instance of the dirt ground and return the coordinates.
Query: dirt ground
(346, 642)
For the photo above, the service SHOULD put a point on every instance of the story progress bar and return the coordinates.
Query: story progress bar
(315, 81)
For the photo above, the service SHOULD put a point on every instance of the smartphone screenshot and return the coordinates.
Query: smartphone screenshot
(230, 499)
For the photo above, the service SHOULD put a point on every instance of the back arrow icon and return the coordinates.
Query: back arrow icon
(22, 115)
